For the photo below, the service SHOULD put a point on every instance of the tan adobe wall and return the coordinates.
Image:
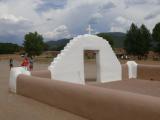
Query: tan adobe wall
(125, 75)
(91, 102)
(41, 73)
(148, 72)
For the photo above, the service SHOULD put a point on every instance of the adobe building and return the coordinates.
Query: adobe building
(120, 92)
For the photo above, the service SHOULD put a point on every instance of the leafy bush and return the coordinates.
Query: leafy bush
(9, 48)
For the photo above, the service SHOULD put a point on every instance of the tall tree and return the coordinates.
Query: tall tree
(156, 36)
(131, 40)
(33, 44)
(145, 40)
(137, 40)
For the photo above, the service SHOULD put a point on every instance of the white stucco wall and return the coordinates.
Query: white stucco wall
(132, 69)
(69, 64)
(13, 77)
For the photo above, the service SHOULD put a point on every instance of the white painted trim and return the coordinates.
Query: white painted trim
(14, 73)
(132, 69)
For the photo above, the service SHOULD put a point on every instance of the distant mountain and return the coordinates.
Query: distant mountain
(57, 45)
(117, 37)
(9, 48)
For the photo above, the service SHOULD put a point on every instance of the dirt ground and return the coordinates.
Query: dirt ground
(15, 107)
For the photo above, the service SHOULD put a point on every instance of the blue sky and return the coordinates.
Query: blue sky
(56, 19)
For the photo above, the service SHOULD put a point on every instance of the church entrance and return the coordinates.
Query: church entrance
(91, 65)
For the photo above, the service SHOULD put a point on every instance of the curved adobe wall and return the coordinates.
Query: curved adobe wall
(91, 102)
(41, 73)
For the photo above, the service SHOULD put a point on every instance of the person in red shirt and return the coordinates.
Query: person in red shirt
(25, 63)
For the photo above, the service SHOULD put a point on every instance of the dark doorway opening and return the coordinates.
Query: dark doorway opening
(91, 65)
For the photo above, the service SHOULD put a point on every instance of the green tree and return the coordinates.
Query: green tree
(9, 48)
(33, 44)
(107, 37)
(137, 40)
(156, 36)
(131, 40)
(145, 40)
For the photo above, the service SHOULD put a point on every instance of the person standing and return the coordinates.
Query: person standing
(31, 64)
(11, 63)
(25, 63)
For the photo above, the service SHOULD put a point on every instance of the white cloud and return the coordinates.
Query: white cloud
(58, 33)
(12, 25)
(118, 23)
(107, 6)
(72, 17)
(94, 19)
(12, 18)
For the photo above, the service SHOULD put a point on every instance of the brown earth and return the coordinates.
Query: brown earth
(15, 107)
